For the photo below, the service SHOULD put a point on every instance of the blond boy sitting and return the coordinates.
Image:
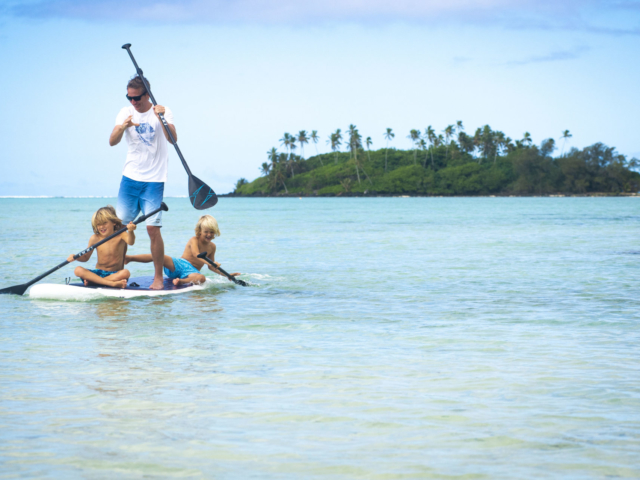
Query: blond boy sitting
(110, 269)
(187, 268)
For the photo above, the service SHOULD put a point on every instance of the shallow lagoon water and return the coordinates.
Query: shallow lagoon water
(382, 338)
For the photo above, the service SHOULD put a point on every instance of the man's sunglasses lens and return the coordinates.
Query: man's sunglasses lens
(136, 98)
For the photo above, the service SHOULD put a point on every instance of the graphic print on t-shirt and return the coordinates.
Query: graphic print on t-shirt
(146, 133)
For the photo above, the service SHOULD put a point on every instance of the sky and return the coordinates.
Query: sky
(239, 74)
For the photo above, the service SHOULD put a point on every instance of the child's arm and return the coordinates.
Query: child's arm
(86, 256)
(211, 253)
(129, 236)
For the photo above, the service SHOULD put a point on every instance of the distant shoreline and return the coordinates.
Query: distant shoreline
(397, 195)
(341, 195)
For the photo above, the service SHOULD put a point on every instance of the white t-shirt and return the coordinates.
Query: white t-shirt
(147, 156)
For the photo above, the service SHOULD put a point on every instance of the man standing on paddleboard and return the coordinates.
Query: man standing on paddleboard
(145, 169)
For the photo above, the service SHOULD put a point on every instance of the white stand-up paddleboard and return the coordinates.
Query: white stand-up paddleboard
(136, 287)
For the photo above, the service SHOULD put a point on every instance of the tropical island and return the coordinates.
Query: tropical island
(450, 163)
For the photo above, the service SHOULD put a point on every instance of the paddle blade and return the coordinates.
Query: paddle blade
(15, 290)
(200, 194)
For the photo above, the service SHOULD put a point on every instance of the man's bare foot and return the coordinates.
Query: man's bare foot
(119, 283)
(86, 283)
(158, 284)
(176, 281)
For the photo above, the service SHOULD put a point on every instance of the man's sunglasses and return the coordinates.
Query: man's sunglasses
(137, 98)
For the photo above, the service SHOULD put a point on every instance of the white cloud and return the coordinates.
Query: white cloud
(556, 56)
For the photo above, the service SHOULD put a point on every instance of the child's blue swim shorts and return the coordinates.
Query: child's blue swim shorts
(182, 269)
(102, 273)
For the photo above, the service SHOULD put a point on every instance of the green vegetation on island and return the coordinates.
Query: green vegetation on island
(452, 163)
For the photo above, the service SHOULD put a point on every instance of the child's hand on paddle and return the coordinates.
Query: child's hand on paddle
(131, 227)
(70, 258)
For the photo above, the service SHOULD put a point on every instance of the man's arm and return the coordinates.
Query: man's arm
(118, 130)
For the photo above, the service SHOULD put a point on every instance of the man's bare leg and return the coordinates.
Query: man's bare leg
(157, 253)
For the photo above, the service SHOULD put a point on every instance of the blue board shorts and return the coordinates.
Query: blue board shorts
(102, 273)
(135, 197)
(182, 269)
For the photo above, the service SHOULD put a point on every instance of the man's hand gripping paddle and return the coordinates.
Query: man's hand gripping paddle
(20, 289)
(200, 194)
(203, 256)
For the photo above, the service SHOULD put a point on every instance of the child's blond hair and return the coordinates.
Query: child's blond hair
(104, 215)
(209, 223)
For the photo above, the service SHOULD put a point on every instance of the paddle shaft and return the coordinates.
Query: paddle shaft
(92, 247)
(127, 47)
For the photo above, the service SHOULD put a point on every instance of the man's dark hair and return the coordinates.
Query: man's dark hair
(136, 82)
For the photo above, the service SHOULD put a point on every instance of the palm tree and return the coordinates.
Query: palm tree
(430, 135)
(423, 147)
(314, 139)
(414, 135)
(368, 142)
(388, 135)
(487, 140)
(526, 139)
(264, 169)
(459, 127)
(277, 178)
(288, 142)
(466, 143)
(338, 142)
(500, 143)
(302, 139)
(508, 144)
(273, 156)
(566, 136)
(292, 157)
(355, 143)
(332, 143)
(335, 140)
(448, 133)
(285, 141)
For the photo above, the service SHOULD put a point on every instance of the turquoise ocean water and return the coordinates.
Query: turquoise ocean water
(383, 338)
